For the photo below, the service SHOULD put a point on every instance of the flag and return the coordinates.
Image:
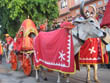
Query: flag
(105, 19)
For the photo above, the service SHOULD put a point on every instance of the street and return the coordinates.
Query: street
(9, 76)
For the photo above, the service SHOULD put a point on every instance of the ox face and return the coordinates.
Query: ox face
(93, 27)
(89, 24)
(89, 28)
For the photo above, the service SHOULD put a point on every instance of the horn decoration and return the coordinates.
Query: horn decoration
(94, 9)
(82, 10)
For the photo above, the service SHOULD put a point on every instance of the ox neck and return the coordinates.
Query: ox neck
(78, 38)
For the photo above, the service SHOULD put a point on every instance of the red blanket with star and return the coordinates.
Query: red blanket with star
(54, 50)
(91, 52)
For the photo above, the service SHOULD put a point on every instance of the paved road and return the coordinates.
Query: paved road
(8, 76)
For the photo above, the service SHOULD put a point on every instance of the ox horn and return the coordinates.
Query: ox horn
(94, 9)
(82, 9)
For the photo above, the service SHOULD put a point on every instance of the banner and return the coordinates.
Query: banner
(54, 50)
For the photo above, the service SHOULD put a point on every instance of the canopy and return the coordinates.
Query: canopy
(27, 27)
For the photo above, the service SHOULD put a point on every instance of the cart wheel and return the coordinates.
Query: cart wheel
(14, 60)
(27, 66)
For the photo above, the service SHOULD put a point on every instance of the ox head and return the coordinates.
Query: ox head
(89, 26)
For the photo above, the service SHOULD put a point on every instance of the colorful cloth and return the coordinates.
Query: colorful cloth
(18, 44)
(54, 50)
(27, 43)
(23, 39)
(106, 18)
(91, 52)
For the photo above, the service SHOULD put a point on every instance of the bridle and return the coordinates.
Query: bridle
(78, 36)
(103, 36)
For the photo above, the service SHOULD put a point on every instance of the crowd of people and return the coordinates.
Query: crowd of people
(99, 16)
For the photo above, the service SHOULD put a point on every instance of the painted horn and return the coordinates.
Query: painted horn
(94, 9)
(82, 9)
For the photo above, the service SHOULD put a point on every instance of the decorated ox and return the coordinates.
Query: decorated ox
(104, 57)
(21, 49)
(85, 28)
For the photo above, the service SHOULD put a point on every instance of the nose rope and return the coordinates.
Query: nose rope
(104, 33)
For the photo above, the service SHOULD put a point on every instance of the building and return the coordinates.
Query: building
(71, 8)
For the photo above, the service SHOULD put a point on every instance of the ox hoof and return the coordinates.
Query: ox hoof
(45, 79)
(38, 80)
(58, 82)
(88, 81)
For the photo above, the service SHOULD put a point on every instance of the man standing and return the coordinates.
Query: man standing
(8, 42)
(8, 39)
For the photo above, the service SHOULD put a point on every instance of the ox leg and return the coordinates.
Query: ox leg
(88, 73)
(37, 76)
(6, 56)
(95, 73)
(44, 75)
(64, 75)
(43, 72)
(59, 77)
(68, 80)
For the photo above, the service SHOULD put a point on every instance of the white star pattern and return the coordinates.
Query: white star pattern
(92, 50)
(61, 57)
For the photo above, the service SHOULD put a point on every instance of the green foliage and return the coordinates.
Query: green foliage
(13, 12)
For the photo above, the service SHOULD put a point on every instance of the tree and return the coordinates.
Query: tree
(13, 12)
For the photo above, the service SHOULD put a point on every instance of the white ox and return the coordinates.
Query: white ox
(86, 28)
(107, 40)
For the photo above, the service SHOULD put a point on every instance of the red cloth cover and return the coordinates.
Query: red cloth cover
(106, 18)
(90, 52)
(18, 44)
(54, 50)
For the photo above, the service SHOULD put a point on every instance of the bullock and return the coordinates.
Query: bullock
(104, 43)
(85, 28)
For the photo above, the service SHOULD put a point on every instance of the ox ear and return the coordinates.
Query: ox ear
(82, 9)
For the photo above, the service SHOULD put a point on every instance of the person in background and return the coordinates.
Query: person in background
(42, 27)
(9, 39)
